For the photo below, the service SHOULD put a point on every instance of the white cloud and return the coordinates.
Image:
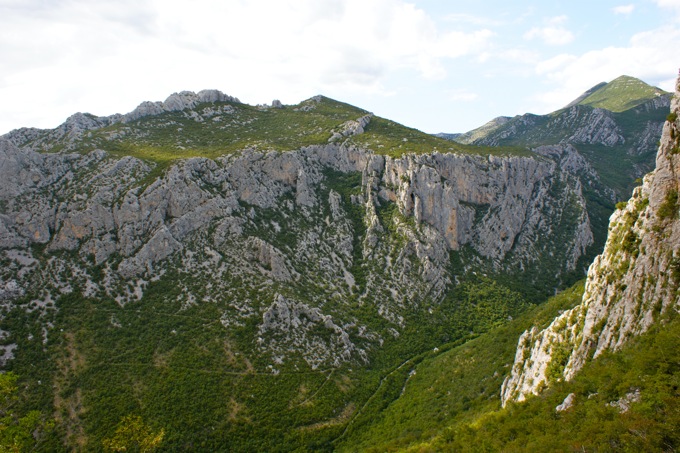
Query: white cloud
(648, 57)
(553, 33)
(673, 5)
(668, 3)
(522, 56)
(462, 95)
(472, 19)
(625, 10)
(109, 55)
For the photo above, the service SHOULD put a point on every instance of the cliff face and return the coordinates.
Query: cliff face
(284, 238)
(629, 286)
(617, 135)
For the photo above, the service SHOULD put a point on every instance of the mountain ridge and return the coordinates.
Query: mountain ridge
(261, 277)
(283, 263)
(621, 94)
(629, 287)
(598, 373)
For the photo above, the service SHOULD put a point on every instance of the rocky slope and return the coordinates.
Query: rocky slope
(273, 220)
(615, 126)
(288, 241)
(68, 135)
(629, 287)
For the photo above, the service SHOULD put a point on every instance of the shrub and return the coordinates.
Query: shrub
(669, 207)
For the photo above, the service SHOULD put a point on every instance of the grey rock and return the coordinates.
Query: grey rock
(271, 220)
(177, 102)
(623, 404)
(296, 320)
(10, 290)
(594, 127)
(567, 404)
(7, 353)
(629, 286)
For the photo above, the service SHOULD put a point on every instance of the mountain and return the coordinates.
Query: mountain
(593, 369)
(572, 124)
(205, 274)
(245, 276)
(613, 127)
(619, 95)
(631, 286)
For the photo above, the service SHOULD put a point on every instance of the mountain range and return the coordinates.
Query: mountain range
(208, 275)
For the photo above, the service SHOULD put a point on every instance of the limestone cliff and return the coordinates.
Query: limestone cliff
(629, 286)
(289, 242)
(615, 126)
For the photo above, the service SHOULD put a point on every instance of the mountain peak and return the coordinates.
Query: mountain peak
(619, 95)
(177, 102)
(621, 300)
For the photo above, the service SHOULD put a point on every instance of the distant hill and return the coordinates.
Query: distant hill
(480, 132)
(614, 126)
(619, 95)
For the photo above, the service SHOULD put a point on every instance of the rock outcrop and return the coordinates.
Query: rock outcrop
(318, 229)
(624, 125)
(261, 217)
(177, 102)
(630, 286)
(77, 126)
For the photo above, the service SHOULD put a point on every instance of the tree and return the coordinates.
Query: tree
(132, 434)
(17, 433)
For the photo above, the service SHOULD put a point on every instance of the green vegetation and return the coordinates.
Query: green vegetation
(648, 366)
(451, 402)
(19, 431)
(484, 304)
(185, 383)
(621, 94)
(216, 129)
(133, 434)
(560, 357)
(452, 386)
(669, 208)
(157, 374)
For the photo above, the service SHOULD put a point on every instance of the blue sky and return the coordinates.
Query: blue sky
(434, 65)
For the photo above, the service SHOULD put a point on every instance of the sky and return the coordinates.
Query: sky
(438, 66)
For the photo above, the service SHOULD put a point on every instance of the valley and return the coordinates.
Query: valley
(202, 274)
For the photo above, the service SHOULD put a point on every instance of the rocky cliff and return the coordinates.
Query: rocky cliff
(289, 242)
(615, 126)
(630, 286)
